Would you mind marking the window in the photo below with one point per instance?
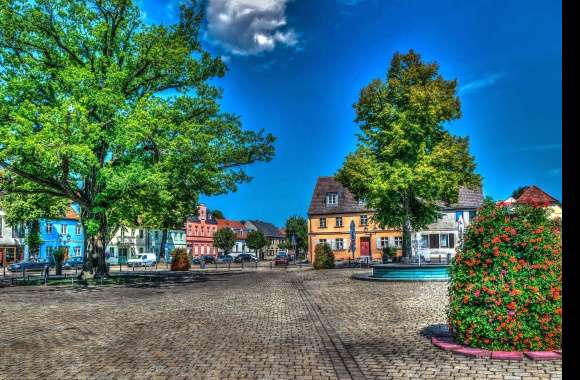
(140, 234)
(434, 241)
(398, 241)
(331, 199)
(322, 222)
(156, 234)
(424, 241)
(444, 241)
(339, 244)
(458, 214)
(322, 241)
(141, 250)
(361, 203)
(63, 229)
(339, 221)
(78, 229)
(77, 251)
(383, 242)
(112, 251)
(472, 215)
(364, 220)
(49, 228)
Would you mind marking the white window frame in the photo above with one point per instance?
(322, 241)
(398, 241)
(49, 228)
(63, 229)
(336, 221)
(366, 220)
(322, 222)
(331, 199)
(446, 235)
(339, 243)
(384, 241)
(77, 251)
(78, 229)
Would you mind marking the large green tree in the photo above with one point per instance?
(224, 239)
(117, 115)
(297, 226)
(256, 241)
(406, 162)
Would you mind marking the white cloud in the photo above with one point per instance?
(246, 27)
(477, 84)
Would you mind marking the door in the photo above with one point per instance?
(365, 246)
(123, 255)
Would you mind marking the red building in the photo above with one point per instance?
(199, 232)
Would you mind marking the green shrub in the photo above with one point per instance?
(324, 258)
(388, 253)
(506, 281)
(180, 260)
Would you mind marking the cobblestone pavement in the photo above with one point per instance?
(263, 325)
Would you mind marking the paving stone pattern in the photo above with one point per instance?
(279, 324)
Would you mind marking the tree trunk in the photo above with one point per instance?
(35, 233)
(407, 231)
(162, 246)
(101, 269)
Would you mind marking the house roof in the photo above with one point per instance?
(71, 214)
(535, 195)
(222, 223)
(268, 229)
(467, 198)
(347, 202)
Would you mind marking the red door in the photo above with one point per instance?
(365, 246)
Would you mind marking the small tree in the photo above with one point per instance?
(324, 258)
(389, 253)
(297, 226)
(180, 260)
(256, 240)
(58, 257)
(217, 214)
(224, 239)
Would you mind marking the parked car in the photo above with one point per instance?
(33, 265)
(73, 263)
(225, 259)
(144, 259)
(208, 259)
(245, 258)
(281, 259)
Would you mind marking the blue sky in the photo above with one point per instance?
(296, 67)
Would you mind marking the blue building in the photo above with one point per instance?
(64, 232)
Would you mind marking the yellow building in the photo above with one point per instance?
(332, 209)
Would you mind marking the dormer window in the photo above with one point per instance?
(331, 199)
(361, 203)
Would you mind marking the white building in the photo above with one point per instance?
(11, 242)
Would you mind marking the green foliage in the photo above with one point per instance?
(506, 282)
(217, 214)
(298, 226)
(388, 253)
(256, 240)
(517, 192)
(324, 258)
(224, 239)
(406, 161)
(81, 117)
(180, 260)
(58, 257)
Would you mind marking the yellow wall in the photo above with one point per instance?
(332, 232)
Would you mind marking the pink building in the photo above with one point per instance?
(199, 232)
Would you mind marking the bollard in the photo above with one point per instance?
(242, 264)
(256, 265)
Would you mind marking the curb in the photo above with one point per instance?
(448, 344)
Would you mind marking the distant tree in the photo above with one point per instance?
(297, 226)
(517, 192)
(256, 241)
(224, 239)
(218, 214)
(406, 162)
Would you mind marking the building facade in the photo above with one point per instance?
(11, 242)
(440, 240)
(241, 235)
(535, 195)
(333, 209)
(272, 234)
(65, 232)
(199, 232)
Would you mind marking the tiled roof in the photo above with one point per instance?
(533, 194)
(347, 202)
(268, 229)
(468, 198)
(222, 223)
(71, 214)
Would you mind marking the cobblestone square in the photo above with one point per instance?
(276, 324)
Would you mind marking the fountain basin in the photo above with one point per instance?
(407, 272)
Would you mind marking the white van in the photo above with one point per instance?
(143, 259)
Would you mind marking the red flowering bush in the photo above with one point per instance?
(506, 281)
